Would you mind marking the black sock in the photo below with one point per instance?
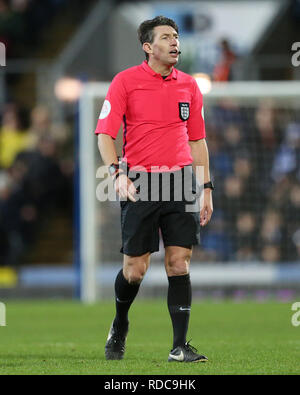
(179, 304)
(125, 295)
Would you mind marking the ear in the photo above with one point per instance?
(147, 48)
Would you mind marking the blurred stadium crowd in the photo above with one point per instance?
(35, 177)
(23, 21)
(35, 165)
(255, 161)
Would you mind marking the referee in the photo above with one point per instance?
(163, 128)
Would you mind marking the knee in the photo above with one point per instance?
(178, 265)
(134, 272)
(134, 277)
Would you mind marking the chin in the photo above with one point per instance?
(172, 62)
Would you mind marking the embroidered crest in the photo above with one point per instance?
(184, 111)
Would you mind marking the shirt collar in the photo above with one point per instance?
(148, 69)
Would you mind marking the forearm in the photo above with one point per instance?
(200, 155)
(123, 185)
(107, 149)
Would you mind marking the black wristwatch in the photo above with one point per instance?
(209, 185)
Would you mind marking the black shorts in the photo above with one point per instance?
(141, 222)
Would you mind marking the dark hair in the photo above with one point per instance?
(145, 30)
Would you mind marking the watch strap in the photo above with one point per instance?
(209, 185)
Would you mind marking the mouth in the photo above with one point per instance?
(174, 53)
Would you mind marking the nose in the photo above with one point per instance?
(174, 41)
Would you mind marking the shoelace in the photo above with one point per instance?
(189, 347)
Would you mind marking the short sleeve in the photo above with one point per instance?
(113, 109)
(195, 123)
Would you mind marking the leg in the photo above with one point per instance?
(138, 221)
(180, 230)
(127, 285)
(177, 261)
(135, 267)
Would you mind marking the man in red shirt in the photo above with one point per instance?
(163, 132)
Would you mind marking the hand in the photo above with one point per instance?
(125, 187)
(207, 208)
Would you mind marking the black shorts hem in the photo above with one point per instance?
(139, 253)
(178, 244)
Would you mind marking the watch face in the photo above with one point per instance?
(112, 170)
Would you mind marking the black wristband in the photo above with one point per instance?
(209, 185)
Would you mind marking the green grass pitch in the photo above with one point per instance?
(68, 338)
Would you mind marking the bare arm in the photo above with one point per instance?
(200, 156)
(123, 185)
(199, 152)
(107, 149)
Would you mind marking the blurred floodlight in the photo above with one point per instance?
(204, 82)
(68, 89)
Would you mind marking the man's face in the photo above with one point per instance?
(165, 46)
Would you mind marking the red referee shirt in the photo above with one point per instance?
(159, 116)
